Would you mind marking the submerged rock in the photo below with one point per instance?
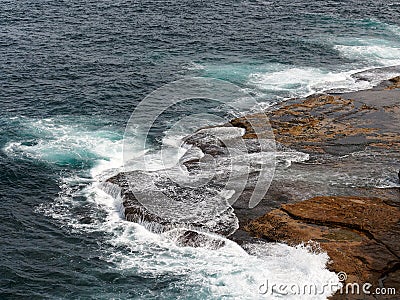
(193, 212)
(190, 238)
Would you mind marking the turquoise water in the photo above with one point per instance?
(71, 74)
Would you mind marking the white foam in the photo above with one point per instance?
(65, 141)
(376, 54)
(279, 81)
(302, 82)
(193, 66)
(394, 29)
(229, 272)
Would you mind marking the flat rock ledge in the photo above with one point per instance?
(333, 123)
(353, 134)
(360, 235)
(357, 224)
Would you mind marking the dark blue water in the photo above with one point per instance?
(71, 73)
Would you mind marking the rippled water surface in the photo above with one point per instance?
(71, 73)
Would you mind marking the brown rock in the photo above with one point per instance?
(360, 235)
(322, 122)
(394, 83)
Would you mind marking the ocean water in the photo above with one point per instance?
(71, 74)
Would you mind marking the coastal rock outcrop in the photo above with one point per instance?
(335, 124)
(222, 221)
(337, 185)
(360, 235)
(347, 196)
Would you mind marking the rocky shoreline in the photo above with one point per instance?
(357, 225)
(345, 195)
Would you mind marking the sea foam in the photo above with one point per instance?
(229, 272)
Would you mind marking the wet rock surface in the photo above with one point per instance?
(360, 234)
(222, 222)
(336, 124)
(191, 238)
(346, 196)
(336, 181)
(394, 83)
